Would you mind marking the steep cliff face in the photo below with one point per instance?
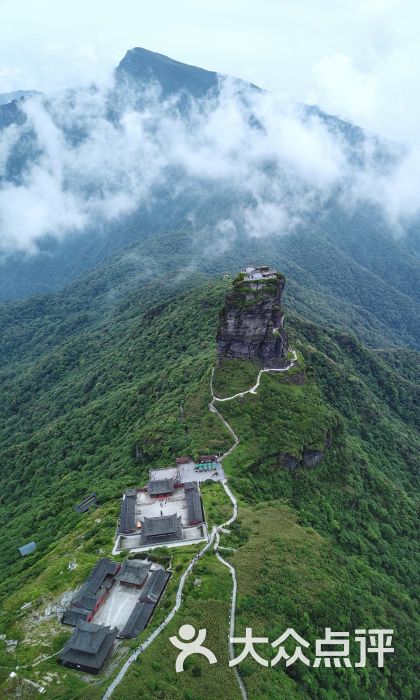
(251, 321)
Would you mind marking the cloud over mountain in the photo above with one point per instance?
(93, 155)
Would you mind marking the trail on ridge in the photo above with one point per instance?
(213, 540)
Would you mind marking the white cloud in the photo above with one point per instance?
(91, 169)
(280, 162)
(340, 87)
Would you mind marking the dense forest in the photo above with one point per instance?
(111, 377)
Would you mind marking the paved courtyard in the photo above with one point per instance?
(187, 472)
(154, 507)
(118, 606)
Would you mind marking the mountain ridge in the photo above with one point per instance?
(173, 76)
(93, 380)
(59, 262)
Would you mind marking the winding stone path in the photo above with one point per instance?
(213, 541)
(140, 649)
(213, 409)
(253, 389)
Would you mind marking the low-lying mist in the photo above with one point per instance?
(87, 157)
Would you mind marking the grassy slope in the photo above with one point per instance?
(205, 606)
(363, 569)
(74, 413)
(78, 402)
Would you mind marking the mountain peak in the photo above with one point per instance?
(142, 65)
(8, 97)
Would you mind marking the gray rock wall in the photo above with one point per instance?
(251, 322)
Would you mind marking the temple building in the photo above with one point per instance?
(155, 586)
(138, 620)
(144, 608)
(160, 530)
(128, 512)
(92, 594)
(168, 509)
(133, 573)
(194, 504)
(88, 647)
(257, 273)
(161, 488)
(208, 458)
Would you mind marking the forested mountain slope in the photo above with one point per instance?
(92, 382)
(339, 252)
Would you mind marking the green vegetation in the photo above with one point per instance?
(234, 376)
(101, 383)
(206, 605)
(217, 505)
(304, 581)
(244, 294)
(353, 517)
(73, 414)
(282, 417)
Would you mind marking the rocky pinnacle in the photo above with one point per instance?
(251, 321)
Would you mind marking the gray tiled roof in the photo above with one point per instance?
(138, 619)
(88, 647)
(73, 616)
(88, 594)
(157, 487)
(133, 572)
(87, 502)
(155, 586)
(128, 511)
(194, 504)
(161, 529)
(191, 486)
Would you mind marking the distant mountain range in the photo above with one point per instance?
(347, 263)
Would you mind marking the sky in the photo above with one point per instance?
(355, 58)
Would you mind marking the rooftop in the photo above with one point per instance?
(88, 646)
(262, 272)
(155, 586)
(128, 511)
(138, 619)
(159, 487)
(191, 486)
(88, 594)
(133, 573)
(87, 503)
(162, 525)
(75, 615)
(27, 548)
(194, 505)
